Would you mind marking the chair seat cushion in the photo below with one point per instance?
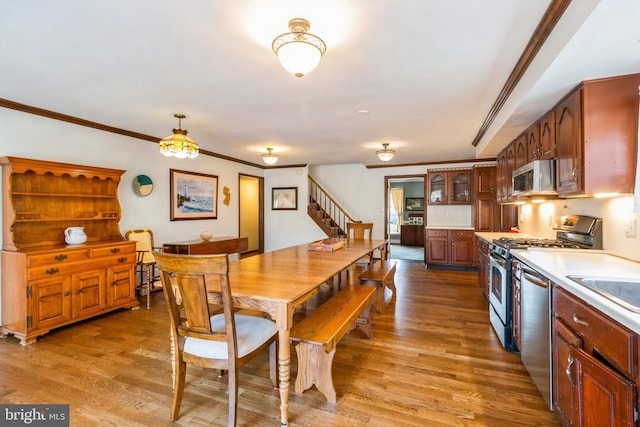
(251, 333)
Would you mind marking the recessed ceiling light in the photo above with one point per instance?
(363, 112)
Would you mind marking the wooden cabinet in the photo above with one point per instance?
(488, 215)
(412, 235)
(596, 137)
(217, 245)
(521, 151)
(505, 165)
(45, 282)
(533, 142)
(449, 187)
(595, 365)
(450, 247)
(483, 266)
(546, 149)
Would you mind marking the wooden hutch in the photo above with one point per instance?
(45, 282)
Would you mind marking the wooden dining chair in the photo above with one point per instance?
(203, 336)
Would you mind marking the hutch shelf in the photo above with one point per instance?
(45, 282)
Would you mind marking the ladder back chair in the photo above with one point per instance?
(203, 336)
(145, 261)
(361, 231)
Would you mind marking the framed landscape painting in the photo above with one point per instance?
(193, 195)
(414, 204)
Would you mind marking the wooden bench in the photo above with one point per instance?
(315, 338)
(380, 274)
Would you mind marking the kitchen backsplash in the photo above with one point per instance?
(538, 220)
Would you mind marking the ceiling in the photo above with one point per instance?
(421, 75)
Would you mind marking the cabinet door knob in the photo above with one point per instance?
(567, 370)
(115, 250)
(52, 271)
(60, 257)
(122, 259)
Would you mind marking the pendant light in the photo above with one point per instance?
(179, 144)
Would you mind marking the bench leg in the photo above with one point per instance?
(391, 284)
(364, 323)
(314, 367)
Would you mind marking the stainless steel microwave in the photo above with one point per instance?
(535, 178)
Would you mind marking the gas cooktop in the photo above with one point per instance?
(522, 242)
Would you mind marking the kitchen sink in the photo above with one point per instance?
(622, 291)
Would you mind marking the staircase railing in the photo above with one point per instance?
(326, 212)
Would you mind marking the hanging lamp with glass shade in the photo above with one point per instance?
(386, 153)
(179, 144)
(299, 52)
(270, 157)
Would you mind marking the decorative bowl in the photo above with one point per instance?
(206, 236)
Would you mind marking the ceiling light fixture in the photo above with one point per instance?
(179, 144)
(299, 52)
(270, 158)
(385, 154)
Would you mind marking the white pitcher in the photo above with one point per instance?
(75, 235)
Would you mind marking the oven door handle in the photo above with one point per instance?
(535, 279)
(499, 261)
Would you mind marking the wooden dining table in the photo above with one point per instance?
(280, 281)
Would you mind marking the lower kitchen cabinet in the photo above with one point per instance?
(483, 266)
(595, 365)
(453, 248)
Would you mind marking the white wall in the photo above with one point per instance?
(538, 220)
(30, 136)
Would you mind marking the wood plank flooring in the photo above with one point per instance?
(433, 361)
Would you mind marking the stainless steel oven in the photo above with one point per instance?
(500, 295)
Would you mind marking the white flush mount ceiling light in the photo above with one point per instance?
(270, 157)
(299, 52)
(179, 144)
(385, 154)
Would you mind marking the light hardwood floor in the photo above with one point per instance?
(433, 361)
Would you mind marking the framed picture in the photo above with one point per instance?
(193, 195)
(284, 198)
(414, 204)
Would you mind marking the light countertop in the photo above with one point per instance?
(556, 264)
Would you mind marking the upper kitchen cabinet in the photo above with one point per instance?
(505, 163)
(521, 151)
(449, 187)
(488, 214)
(596, 137)
(546, 149)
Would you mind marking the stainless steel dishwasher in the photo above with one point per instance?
(536, 328)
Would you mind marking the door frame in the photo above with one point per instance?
(260, 207)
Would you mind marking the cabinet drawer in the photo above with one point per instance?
(437, 233)
(462, 234)
(57, 257)
(600, 334)
(113, 250)
(65, 268)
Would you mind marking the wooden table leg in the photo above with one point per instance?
(351, 274)
(284, 370)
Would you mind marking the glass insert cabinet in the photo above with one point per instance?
(449, 187)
